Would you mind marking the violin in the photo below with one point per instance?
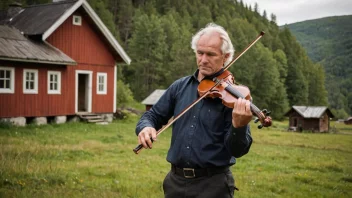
(222, 86)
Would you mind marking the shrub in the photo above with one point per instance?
(124, 94)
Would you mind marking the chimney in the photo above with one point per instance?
(14, 8)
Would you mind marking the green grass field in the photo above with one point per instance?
(87, 160)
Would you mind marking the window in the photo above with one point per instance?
(54, 82)
(30, 81)
(7, 80)
(77, 20)
(101, 83)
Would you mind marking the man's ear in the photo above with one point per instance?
(226, 57)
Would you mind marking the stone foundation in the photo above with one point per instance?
(73, 119)
(40, 120)
(108, 117)
(60, 119)
(22, 121)
(18, 121)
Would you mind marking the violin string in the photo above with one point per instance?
(238, 94)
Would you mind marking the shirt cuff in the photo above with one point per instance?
(141, 126)
(240, 132)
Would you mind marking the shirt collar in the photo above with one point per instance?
(195, 74)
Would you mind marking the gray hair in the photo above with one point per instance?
(226, 47)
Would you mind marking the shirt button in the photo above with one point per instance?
(192, 126)
(187, 147)
(194, 116)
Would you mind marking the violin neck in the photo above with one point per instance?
(238, 94)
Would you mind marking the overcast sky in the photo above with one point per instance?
(291, 11)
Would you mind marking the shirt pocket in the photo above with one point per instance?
(213, 108)
(213, 116)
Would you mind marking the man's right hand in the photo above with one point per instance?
(145, 135)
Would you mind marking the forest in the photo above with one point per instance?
(156, 34)
(328, 41)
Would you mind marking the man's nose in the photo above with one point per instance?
(204, 58)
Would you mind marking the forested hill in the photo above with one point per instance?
(157, 34)
(328, 41)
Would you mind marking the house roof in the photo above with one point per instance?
(46, 18)
(3, 16)
(17, 47)
(42, 17)
(310, 111)
(153, 97)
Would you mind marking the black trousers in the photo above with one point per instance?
(221, 185)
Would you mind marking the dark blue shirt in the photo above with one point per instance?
(204, 136)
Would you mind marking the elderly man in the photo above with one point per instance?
(209, 137)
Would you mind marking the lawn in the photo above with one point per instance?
(88, 160)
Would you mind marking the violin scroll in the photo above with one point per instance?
(265, 119)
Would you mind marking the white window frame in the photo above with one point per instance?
(30, 91)
(12, 80)
(104, 91)
(79, 20)
(58, 91)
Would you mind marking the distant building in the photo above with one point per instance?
(348, 120)
(153, 98)
(309, 118)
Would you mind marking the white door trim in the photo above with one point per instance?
(89, 89)
(115, 87)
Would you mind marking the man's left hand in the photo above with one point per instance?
(241, 113)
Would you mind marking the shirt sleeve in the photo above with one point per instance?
(160, 113)
(238, 140)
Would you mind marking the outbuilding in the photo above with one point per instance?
(309, 118)
(153, 98)
(348, 120)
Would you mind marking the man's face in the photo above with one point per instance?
(210, 58)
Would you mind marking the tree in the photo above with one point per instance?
(265, 16)
(256, 7)
(281, 62)
(147, 47)
(268, 90)
(273, 18)
(100, 7)
(317, 94)
(180, 59)
(123, 14)
(296, 84)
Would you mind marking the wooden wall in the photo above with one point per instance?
(20, 104)
(309, 124)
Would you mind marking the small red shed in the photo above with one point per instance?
(57, 59)
(309, 118)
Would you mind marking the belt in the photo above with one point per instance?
(198, 172)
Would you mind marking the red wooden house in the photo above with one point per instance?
(57, 59)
